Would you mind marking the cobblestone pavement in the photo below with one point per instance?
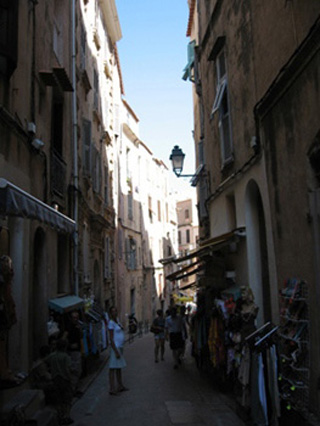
(158, 395)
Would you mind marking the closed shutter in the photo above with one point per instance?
(86, 126)
(107, 258)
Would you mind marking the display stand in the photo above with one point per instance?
(294, 346)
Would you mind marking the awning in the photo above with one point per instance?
(178, 298)
(65, 304)
(213, 244)
(16, 202)
(185, 271)
(191, 285)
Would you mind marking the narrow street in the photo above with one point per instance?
(158, 394)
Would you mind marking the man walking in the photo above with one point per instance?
(174, 330)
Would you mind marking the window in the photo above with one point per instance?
(179, 237)
(86, 140)
(96, 90)
(130, 205)
(57, 123)
(8, 36)
(131, 253)
(86, 253)
(120, 245)
(106, 185)
(159, 211)
(200, 152)
(117, 119)
(83, 44)
(96, 170)
(57, 30)
(188, 235)
(107, 263)
(221, 104)
(186, 214)
(150, 208)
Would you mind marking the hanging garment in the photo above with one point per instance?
(259, 410)
(272, 361)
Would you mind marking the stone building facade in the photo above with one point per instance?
(78, 218)
(256, 91)
(146, 224)
(35, 168)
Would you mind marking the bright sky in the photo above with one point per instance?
(153, 53)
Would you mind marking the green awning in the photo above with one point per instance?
(65, 304)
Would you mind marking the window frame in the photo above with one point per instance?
(226, 141)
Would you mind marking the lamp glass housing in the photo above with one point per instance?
(177, 159)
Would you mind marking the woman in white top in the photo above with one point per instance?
(116, 360)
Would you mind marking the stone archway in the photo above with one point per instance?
(257, 252)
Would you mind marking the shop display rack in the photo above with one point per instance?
(294, 346)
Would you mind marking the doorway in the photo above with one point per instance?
(257, 252)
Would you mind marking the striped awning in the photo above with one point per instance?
(14, 201)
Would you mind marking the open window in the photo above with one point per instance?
(221, 104)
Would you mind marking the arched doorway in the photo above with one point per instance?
(258, 265)
(39, 308)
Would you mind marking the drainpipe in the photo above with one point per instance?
(75, 154)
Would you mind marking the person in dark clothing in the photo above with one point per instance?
(60, 364)
(40, 375)
(159, 337)
(174, 333)
(133, 326)
(73, 335)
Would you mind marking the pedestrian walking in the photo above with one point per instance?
(158, 328)
(73, 334)
(60, 366)
(174, 329)
(40, 376)
(116, 360)
(133, 325)
(184, 329)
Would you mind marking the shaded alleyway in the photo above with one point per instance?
(158, 395)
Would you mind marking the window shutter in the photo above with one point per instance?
(188, 69)
(86, 146)
(120, 245)
(200, 152)
(117, 119)
(83, 42)
(128, 252)
(130, 206)
(107, 258)
(134, 252)
(106, 186)
(93, 169)
(96, 90)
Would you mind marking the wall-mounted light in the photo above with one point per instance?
(177, 159)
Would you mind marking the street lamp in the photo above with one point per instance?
(177, 158)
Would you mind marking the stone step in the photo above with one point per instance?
(45, 417)
(24, 404)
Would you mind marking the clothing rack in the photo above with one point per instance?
(270, 333)
(257, 331)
